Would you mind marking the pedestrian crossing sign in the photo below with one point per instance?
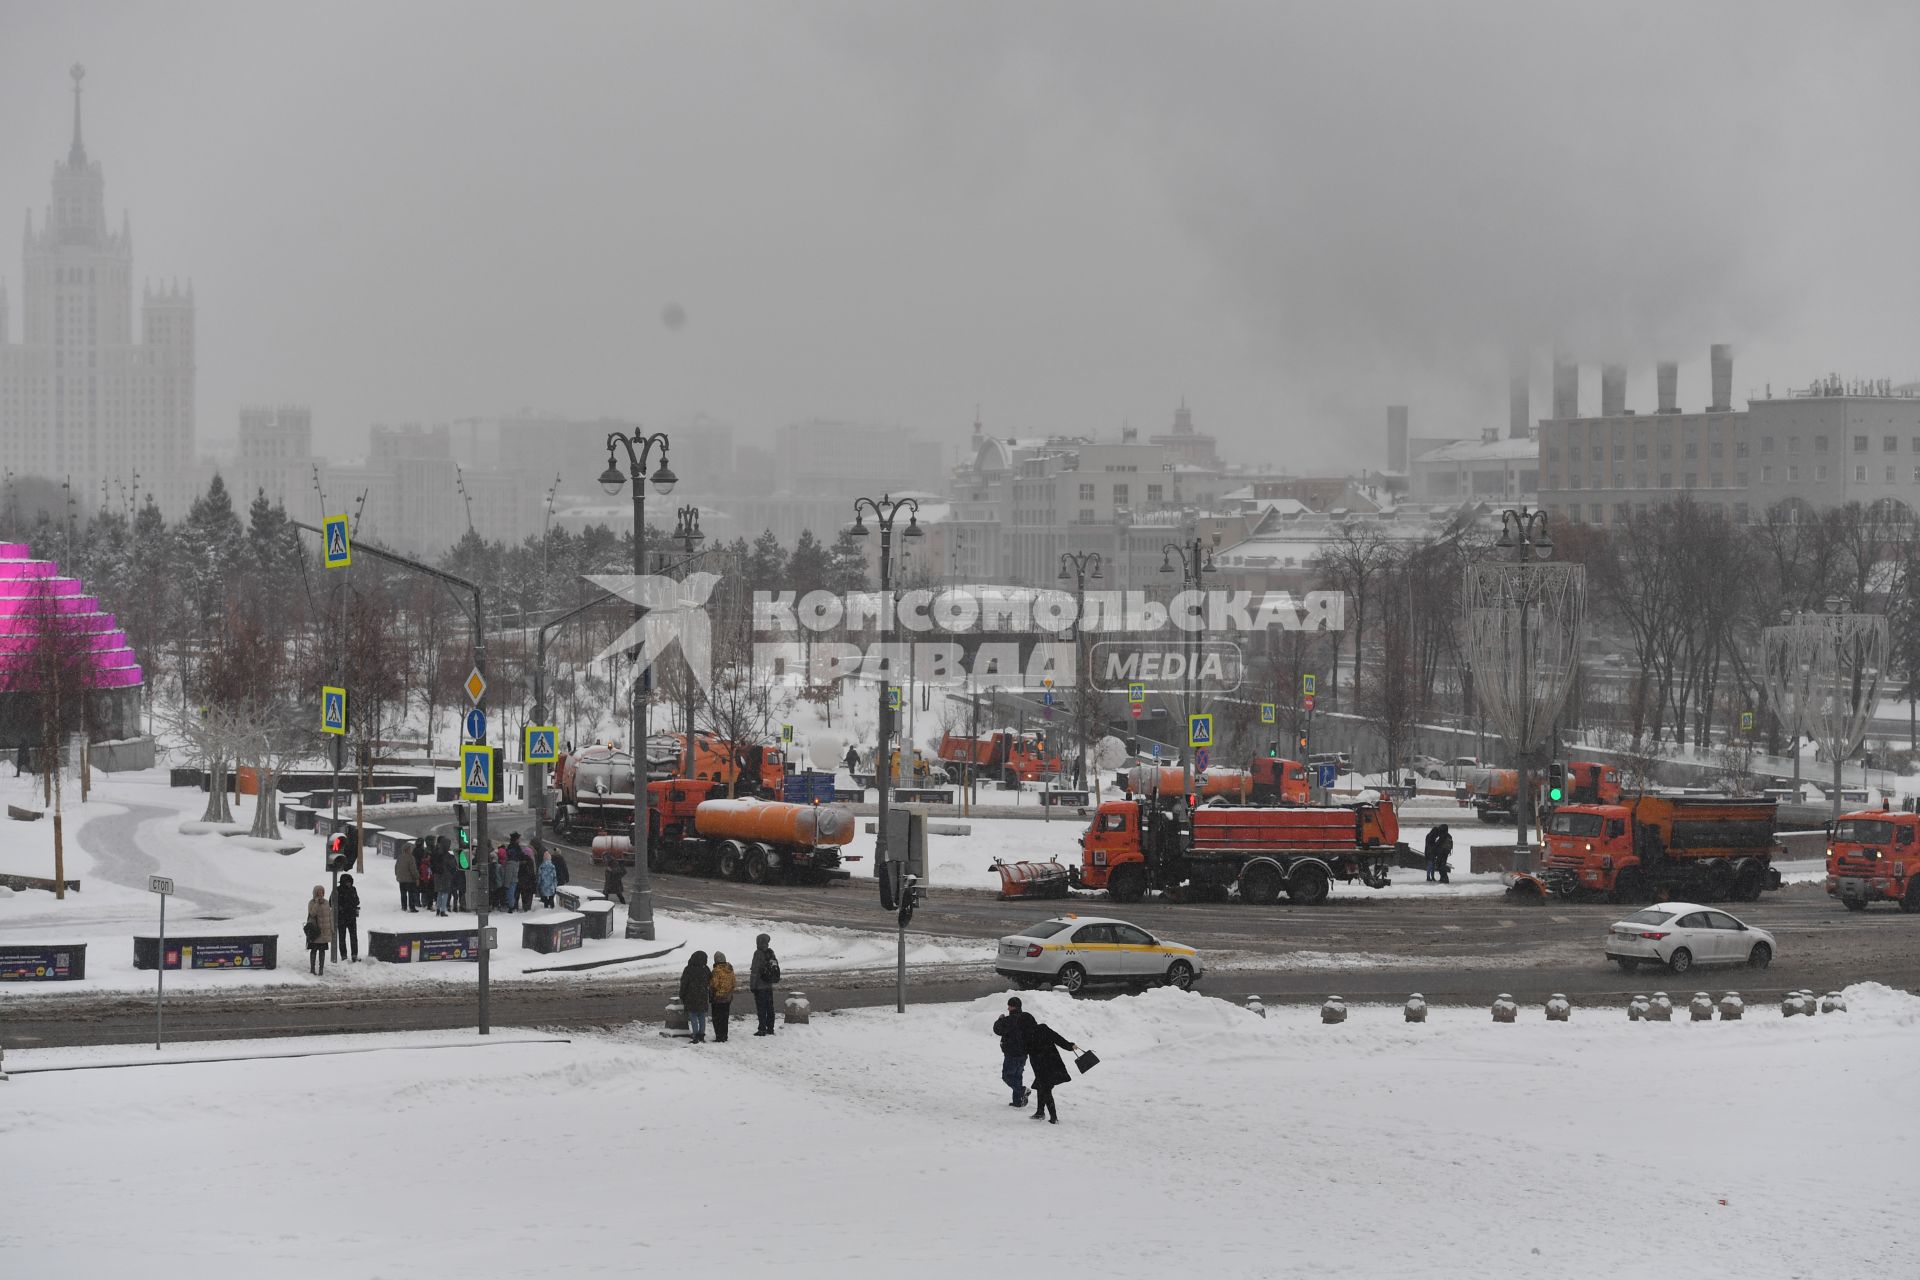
(786, 733)
(893, 697)
(1136, 692)
(333, 710)
(1307, 683)
(339, 542)
(476, 773)
(541, 744)
(1200, 729)
(1266, 713)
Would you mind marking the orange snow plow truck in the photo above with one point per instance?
(1654, 847)
(1135, 845)
(1875, 857)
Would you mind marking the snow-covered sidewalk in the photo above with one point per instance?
(1208, 1142)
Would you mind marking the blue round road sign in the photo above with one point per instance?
(476, 725)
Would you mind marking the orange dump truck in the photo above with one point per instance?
(1650, 847)
(1875, 857)
(691, 826)
(1135, 845)
(1004, 756)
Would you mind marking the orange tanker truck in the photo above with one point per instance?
(1267, 782)
(1874, 856)
(1138, 844)
(1654, 847)
(692, 827)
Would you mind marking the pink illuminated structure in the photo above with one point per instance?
(25, 584)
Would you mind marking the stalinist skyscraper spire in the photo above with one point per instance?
(81, 400)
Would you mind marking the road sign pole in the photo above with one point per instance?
(160, 974)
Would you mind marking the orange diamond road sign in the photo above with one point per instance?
(475, 686)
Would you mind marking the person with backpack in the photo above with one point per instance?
(721, 987)
(319, 931)
(1015, 1028)
(763, 976)
(346, 917)
(696, 994)
(407, 872)
(1049, 1071)
(1443, 849)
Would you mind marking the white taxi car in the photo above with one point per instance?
(1681, 935)
(1075, 951)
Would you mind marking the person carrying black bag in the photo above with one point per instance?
(1049, 1071)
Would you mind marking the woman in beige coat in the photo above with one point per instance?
(319, 929)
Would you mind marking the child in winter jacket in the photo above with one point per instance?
(721, 985)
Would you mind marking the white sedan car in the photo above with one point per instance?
(1075, 951)
(1681, 935)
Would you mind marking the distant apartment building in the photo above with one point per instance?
(82, 398)
(1494, 468)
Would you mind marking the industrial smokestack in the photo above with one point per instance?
(1397, 439)
(1566, 388)
(1613, 390)
(1666, 376)
(1720, 356)
(1518, 408)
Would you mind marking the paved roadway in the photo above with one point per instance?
(1455, 950)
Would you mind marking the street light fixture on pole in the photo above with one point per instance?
(1196, 559)
(639, 449)
(885, 511)
(1081, 563)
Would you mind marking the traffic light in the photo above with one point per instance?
(1273, 748)
(341, 849)
(462, 841)
(890, 875)
(1303, 746)
(1556, 783)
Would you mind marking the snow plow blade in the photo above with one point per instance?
(1031, 879)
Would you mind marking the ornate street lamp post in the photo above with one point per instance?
(1083, 564)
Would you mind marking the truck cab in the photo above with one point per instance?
(1277, 781)
(1874, 856)
(1591, 782)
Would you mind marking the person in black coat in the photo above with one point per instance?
(1433, 850)
(1014, 1028)
(457, 898)
(526, 875)
(1049, 1071)
(346, 917)
(1442, 851)
(445, 874)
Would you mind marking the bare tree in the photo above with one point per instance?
(1393, 702)
(1353, 562)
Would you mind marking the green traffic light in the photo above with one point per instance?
(1554, 795)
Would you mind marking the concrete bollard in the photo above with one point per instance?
(1558, 1008)
(799, 1012)
(677, 1015)
(1504, 1009)
(1254, 1006)
(1334, 1010)
(1731, 1007)
(1701, 1007)
(1809, 1005)
(1637, 1008)
(1832, 1002)
(1416, 1010)
(1791, 1005)
(1660, 1009)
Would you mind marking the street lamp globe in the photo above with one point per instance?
(1097, 575)
(611, 480)
(859, 529)
(664, 479)
(913, 527)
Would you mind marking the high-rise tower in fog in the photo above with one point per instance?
(82, 398)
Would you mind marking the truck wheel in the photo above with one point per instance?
(1260, 886)
(730, 861)
(1127, 884)
(1681, 960)
(1856, 904)
(1747, 883)
(1073, 978)
(1720, 882)
(1628, 886)
(1483, 816)
(1760, 957)
(757, 870)
(1308, 886)
(1180, 974)
(1911, 903)
(1627, 963)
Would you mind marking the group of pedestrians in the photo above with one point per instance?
(431, 878)
(707, 991)
(1439, 849)
(1025, 1039)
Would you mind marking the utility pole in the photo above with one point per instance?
(1080, 562)
(885, 511)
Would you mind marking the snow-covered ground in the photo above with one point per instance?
(1208, 1142)
(132, 828)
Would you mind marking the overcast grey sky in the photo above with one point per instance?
(1070, 213)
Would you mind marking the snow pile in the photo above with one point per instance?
(1209, 1141)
